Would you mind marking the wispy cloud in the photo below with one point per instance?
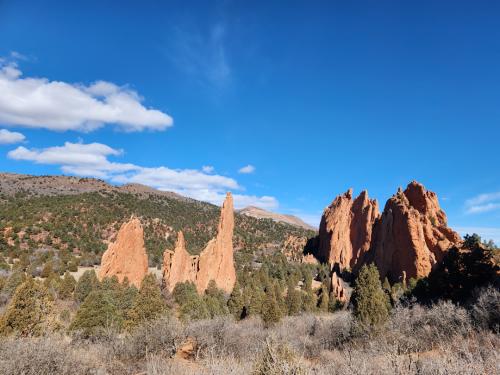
(93, 160)
(247, 169)
(483, 203)
(55, 105)
(7, 137)
(201, 55)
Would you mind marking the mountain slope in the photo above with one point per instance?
(260, 213)
(77, 218)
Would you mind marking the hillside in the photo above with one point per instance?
(260, 213)
(78, 217)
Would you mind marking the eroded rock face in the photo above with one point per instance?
(215, 262)
(345, 230)
(412, 234)
(178, 266)
(126, 257)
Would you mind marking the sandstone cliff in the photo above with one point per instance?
(412, 234)
(126, 257)
(215, 262)
(346, 229)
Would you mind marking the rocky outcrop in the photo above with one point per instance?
(346, 229)
(126, 257)
(178, 265)
(412, 235)
(215, 262)
(337, 289)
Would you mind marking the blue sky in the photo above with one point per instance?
(287, 106)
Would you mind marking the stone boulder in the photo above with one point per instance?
(126, 257)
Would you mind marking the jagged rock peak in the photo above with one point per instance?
(178, 265)
(345, 230)
(126, 257)
(412, 235)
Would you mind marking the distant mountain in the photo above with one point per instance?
(260, 213)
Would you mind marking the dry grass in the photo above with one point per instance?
(443, 339)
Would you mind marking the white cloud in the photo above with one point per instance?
(247, 169)
(8, 137)
(92, 160)
(483, 203)
(55, 105)
(208, 169)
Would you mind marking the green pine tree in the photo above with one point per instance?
(293, 299)
(87, 283)
(66, 286)
(98, 312)
(324, 299)
(148, 304)
(271, 312)
(236, 302)
(371, 304)
(29, 311)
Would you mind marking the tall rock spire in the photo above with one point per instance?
(126, 257)
(215, 262)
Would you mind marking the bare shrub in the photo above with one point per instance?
(313, 333)
(43, 356)
(486, 310)
(222, 336)
(420, 328)
(278, 359)
(158, 336)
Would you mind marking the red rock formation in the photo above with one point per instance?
(178, 265)
(346, 229)
(337, 289)
(215, 262)
(126, 257)
(412, 235)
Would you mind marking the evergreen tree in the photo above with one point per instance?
(191, 306)
(293, 299)
(148, 304)
(97, 312)
(86, 284)
(66, 286)
(236, 302)
(29, 311)
(371, 305)
(271, 312)
(324, 299)
(215, 301)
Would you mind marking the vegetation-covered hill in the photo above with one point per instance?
(80, 216)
